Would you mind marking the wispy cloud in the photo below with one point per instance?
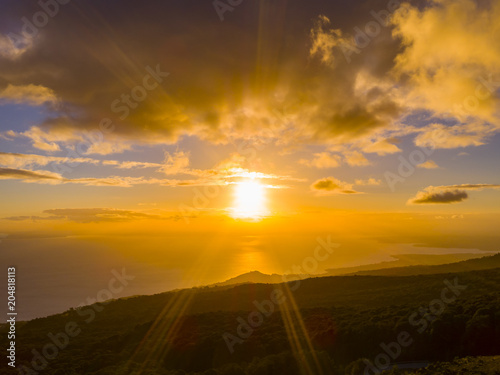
(94, 215)
(369, 182)
(429, 164)
(16, 160)
(322, 160)
(26, 175)
(221, 175)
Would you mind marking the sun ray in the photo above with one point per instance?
(298, 336)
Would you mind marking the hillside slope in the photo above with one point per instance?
(405, 265)
(483, 263)
(336, 320)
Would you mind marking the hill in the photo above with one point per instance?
(467, 365)
(483, 263)
(403, 260)
(405, 265)
(329, 323)
(257, 277)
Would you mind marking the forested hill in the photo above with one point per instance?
(404, 260)
(484, 263)
(420, 264)
(336, 320)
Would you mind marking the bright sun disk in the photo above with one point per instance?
(249, 200)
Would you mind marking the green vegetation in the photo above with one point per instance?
(459, 366)
(484, 263)
(339, 321)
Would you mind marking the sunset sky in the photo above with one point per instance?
(374, 121)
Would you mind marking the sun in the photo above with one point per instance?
(249, 200)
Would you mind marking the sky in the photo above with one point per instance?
(167, 123)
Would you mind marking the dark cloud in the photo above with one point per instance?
(21, 174)
(227, 79)
(331, 185)
(448, 193)
(440, 197)
(275, 65)
(437, 197)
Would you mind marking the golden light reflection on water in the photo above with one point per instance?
(251, 257)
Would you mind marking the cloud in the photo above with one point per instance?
(446, 62)
(175, 163)
(292, 99)
(440, 136)
(41, 176)
(472, 186)
(356, 159)
(59, 132)
(382, 147)
(224, 173)
(369, 182)
(26, 175)
(325, 39)
(449, 46)
(16, 160)
(322, 160)
(93, 215)
(44, 140)
(33, 218)
(108, 147)
(131, 164)
(448, 193)
(452, 217)
(87, 215)
(302, 92)
(433, 196)
(325, 160)
(331, 185)
(30, 94)
(9, 50)
(429, 164)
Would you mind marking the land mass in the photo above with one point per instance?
(332, 324)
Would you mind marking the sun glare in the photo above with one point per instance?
(249, 200)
